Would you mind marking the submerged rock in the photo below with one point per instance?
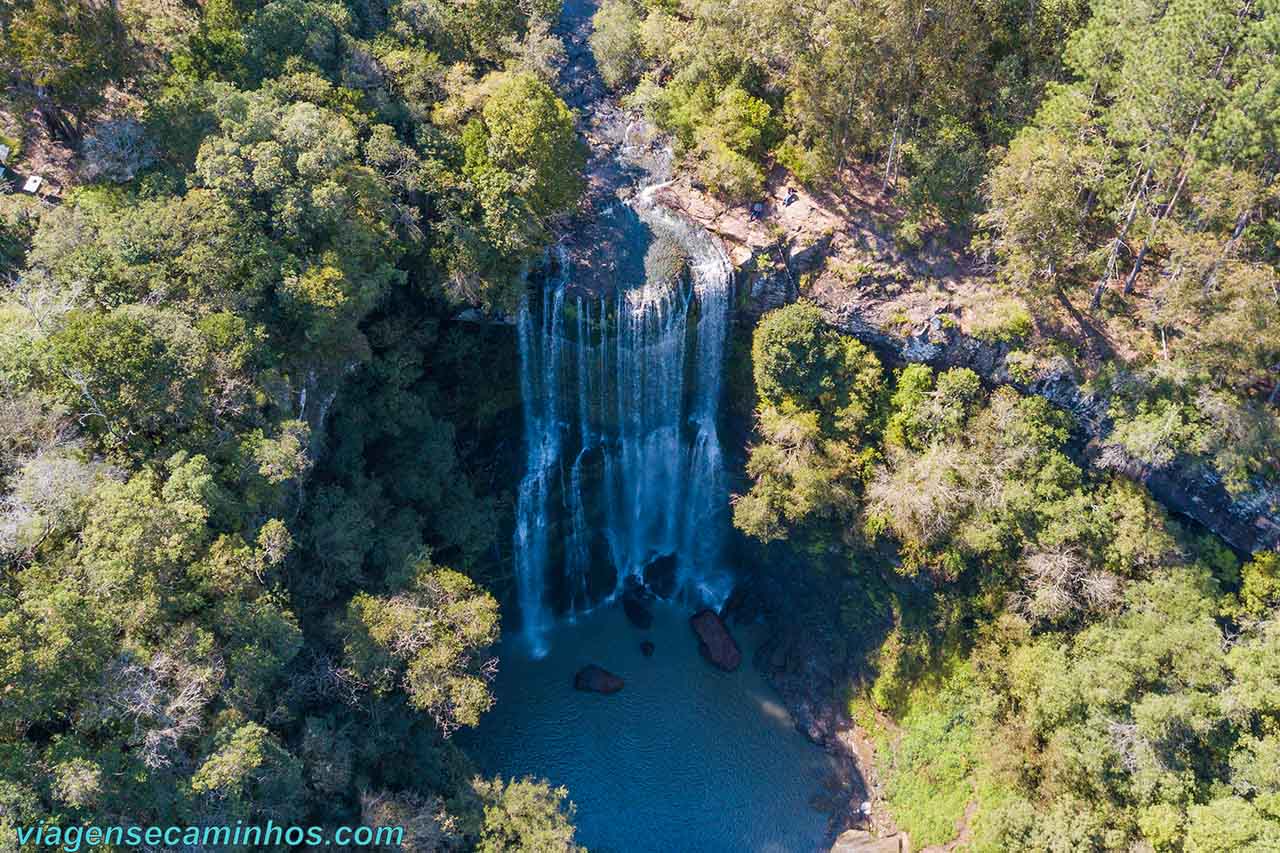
(742, 606)
(636, 602)
(594, 679)
(714, 640)
(646, 649)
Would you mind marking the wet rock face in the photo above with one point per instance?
(660, 575)
(810, 676)
(637, 604)
(714, 640)
(594, 679)
(743, 606)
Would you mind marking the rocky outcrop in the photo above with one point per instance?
(624, 151)
(1249, 522)
(861, 841)
(594, 679)
(800, 668)
(714, 640)
(811, 673)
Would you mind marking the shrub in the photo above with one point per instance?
(726, 172)
(909, 235)
(117, 150)
(615, 42)
(800, 360)
(1022, 366)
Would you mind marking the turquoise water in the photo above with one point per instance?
(684, 758)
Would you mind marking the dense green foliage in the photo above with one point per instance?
(253, 462)
(1113, 163)
(62, 56)
(817, 393)
(1057, 651)
(1114, 149)
(926, 88)
(238, 433)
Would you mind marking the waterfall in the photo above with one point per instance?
(622, 456)
(543, 427)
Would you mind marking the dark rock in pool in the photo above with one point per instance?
(660, 575)
(714, 640)
(594, 679)
(646, 649)
(635, 603)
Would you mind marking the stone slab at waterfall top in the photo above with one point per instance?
(860, 841)
(714, 640)
(595, 679)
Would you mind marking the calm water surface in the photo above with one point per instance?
(685, 758)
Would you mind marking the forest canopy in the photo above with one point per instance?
(1087, 672)
(216, 604)
(258, 400)
(1114, 158)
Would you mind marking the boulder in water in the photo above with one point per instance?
(635, 603)
(660, 575)
(594, 679)
(646, 649)
(714, 640)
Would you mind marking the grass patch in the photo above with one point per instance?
(15, 147)
(1001, 320)
(930, 782)
(899, 319)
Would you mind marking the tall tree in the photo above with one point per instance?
(62, 56)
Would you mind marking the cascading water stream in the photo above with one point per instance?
(707, 493)
(623, 462)
(539, 368)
